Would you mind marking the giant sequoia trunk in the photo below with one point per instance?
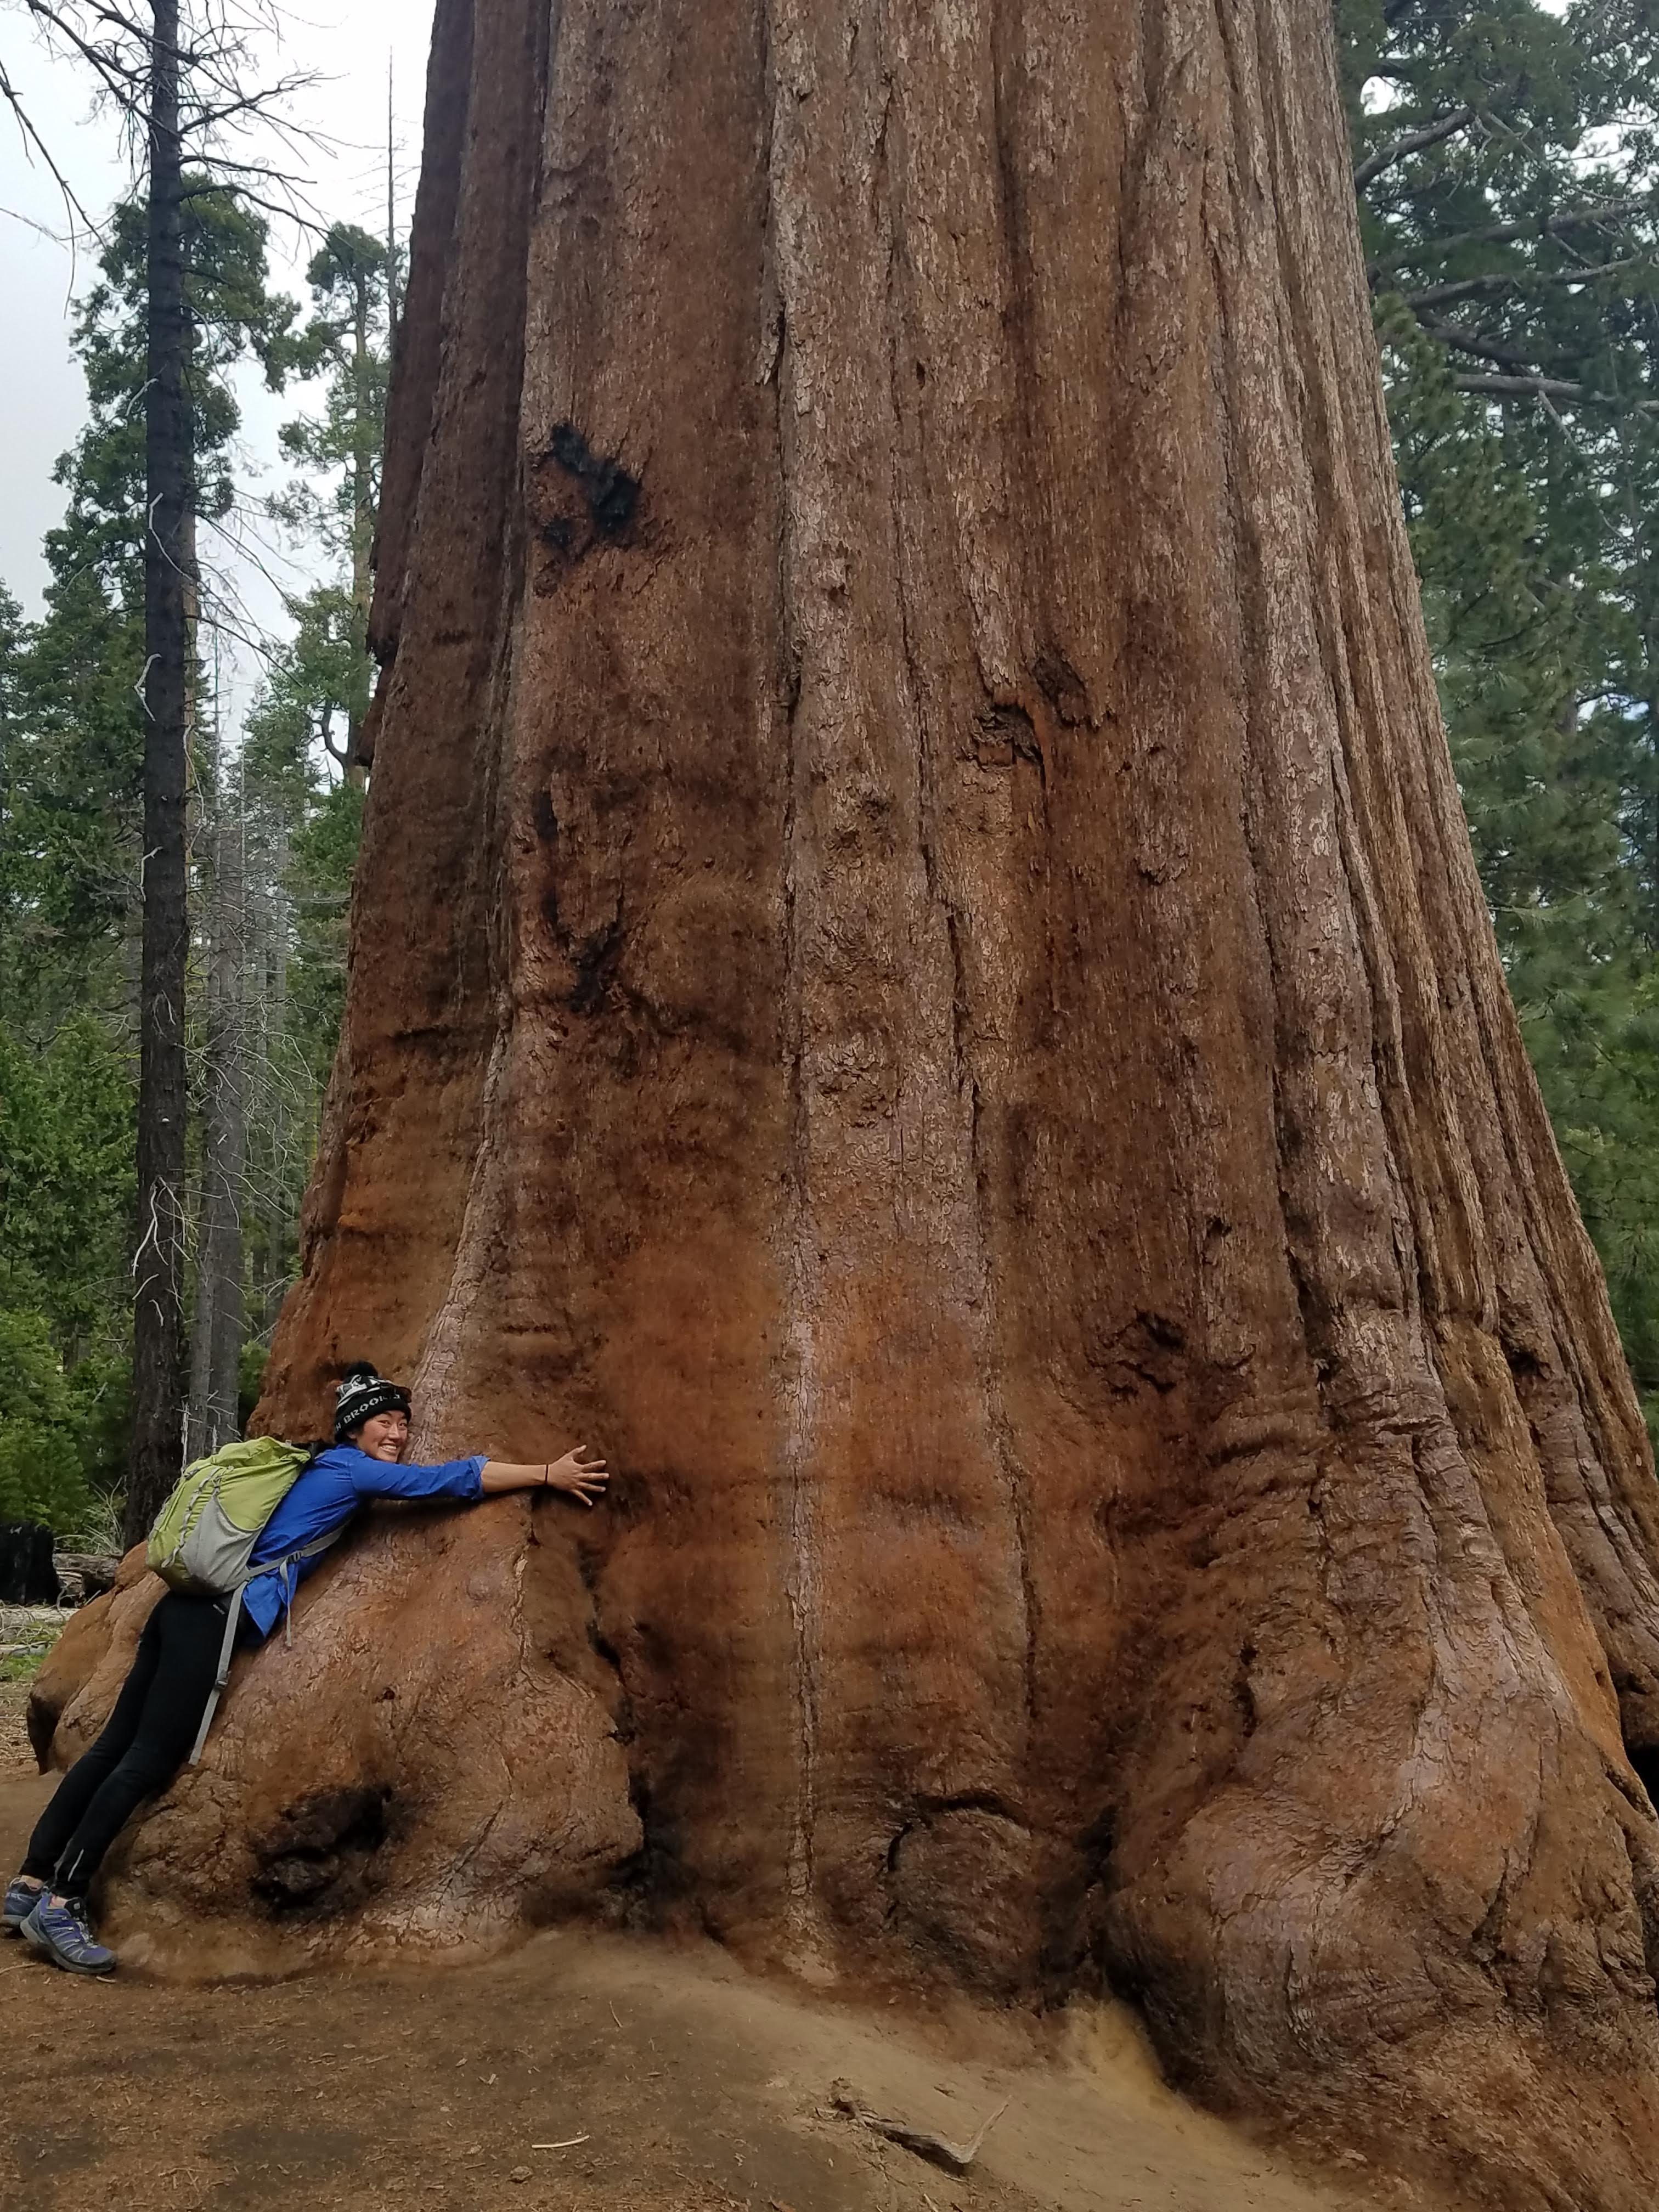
(919, 980)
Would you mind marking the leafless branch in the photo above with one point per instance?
(14, 215)
(1414, 141)
(31, 137)
(1548, 388)
(1483, 348)
(216, 99)
(248, 103)
(1501, 234)
(122, 79)
(1467, 287)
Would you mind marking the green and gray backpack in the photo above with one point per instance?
(204, 1535)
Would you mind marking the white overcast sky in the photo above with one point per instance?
(347, 44)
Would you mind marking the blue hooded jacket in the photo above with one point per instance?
(325, 1498)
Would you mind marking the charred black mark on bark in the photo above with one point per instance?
(610, 493)
(577, 498)
(1073, 1940)
(1146, 1350)
(318, 1858)
(593, 958)
(1097, 1843)
(657, 1874)
(545, 820)
(595, 962)
(1243, 1695)
(1004, 734)
(1525, 1364)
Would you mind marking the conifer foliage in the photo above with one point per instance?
(267, 837)
(1507, 161)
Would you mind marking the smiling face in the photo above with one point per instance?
(383, 1436)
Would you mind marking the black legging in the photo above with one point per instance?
(146, 1740)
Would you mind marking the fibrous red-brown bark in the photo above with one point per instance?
(919, 980)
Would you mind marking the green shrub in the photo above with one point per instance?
(42, 1477)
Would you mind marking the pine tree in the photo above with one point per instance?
(303, 827)
(348, 338)
(65, 1116)
(73, 730)
(1508, 177)
(300, 827)
(175, 72)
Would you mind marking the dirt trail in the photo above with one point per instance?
(585, 2073)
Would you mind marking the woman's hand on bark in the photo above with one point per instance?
(580, 1474)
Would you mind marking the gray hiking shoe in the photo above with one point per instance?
(60, 1932)
(22, 1899)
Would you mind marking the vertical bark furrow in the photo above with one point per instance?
(950, 564)
(803, 1382)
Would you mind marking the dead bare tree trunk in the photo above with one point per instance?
(158, 1325)
(919, 980)
(272, 1081)
(217, 1323)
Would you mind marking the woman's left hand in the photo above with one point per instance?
(579, 1474)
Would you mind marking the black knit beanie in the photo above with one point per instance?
(361, 1395)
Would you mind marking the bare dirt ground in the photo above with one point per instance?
(15, 1760)
(584, 2074)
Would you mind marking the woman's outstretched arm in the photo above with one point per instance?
(579, 1474)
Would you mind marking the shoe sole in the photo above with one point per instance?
(48, 1951)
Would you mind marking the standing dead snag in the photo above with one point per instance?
(169, 585)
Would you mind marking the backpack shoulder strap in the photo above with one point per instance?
(226, 1649)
